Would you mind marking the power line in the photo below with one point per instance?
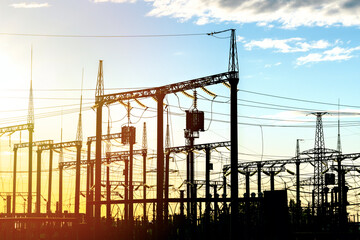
(103, 36)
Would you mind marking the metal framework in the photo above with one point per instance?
(197, 147)
(168, 89)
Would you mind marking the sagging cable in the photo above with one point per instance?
(207, 91)
(140, 103)
(188, 95)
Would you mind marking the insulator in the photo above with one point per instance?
(195, 99)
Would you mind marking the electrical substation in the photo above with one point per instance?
(117, 194)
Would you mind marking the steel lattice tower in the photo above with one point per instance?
(79, 133)
(100, 83)
(233, 57)
(319, 164)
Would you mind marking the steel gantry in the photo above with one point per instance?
(159, 93)
(38, 173)
(90, 170)
(30, 127)
(190, 182)
(78, 145)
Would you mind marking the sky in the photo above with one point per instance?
(295, 58)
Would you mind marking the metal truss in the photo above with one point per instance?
(105, 137)
(21, 127)
(37, 143)
(171, 88)
(197, 147)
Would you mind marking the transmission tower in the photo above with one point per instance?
(319, 164)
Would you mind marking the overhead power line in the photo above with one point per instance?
(104, 36)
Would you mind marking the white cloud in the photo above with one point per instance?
(272, 65)
(30, 5)
(287, 45)
(334, 54)
(114, 1)
(288, 13)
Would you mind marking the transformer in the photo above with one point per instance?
(125, 135)
(195, 120)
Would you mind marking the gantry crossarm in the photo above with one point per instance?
(319, 150)
(17, 128)
(272, 163)
(110, 157)
(114, 182)
(60, 145)
(307, 182)
(125, 153)
(104, 160)
(105, 137)
(171, 88)
(203, 182)
(346, 168)
(264, 168)
(197, 147)
(37, 143)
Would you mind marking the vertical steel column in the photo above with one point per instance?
(247, 183)
(259, 179)
(126, 205)
(182, 203)
(272, 181)
(192, 179)
(14, 182)
(207, 185)
(38, 181)
(30, 171)
(166, 190)
(48, 204)
(194, 202)
(188, 194)
(160, 159)
(88, 206)
(234, 155)
(340, 190)
(216, 209)
(98, 160)
(108, 193)
(131, 187)
(60, 187)
(77, 180)
(224, 193)
(144, 186)
(298, 203)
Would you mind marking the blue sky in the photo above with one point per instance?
(307, 50)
